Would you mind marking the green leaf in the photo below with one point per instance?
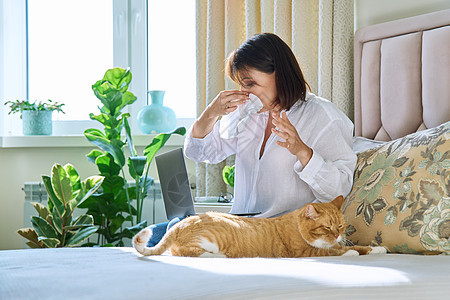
(57, 223)
(50, 205)
(97, 138)
(93, 183)
(159, 141)
(84, 220)
(137, 165)
(147, 182)
(98, 89)
(52, 196)
(61, 184)
(81, 235)
(72, 205)
(133, 230)
(131, 169)
(113, 185)
(115, 223)
(105, 119)
(92, 156)
(109, 95)
(228, 175)
(31, 235)
(118, 77)
(129, 138)
(49, 220)
(74, 179)
(41, 209)
(81, 222)
(128, 98)
(94, 202)
(107, 166)
(33, 245)
(43, 228)
(49, 242)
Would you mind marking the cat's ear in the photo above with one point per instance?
(311, 212)
(338, 202)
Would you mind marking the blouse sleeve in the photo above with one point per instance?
(329, 173)
(211, 149)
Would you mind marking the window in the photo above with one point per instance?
(70, 46)
(171, 53)
(58, 48)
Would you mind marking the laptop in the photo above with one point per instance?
(175, 187)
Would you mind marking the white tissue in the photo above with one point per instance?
(233, 124)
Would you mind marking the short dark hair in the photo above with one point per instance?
(268, 53)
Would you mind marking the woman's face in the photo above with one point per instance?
(262, 85)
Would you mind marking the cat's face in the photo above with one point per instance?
(322, 225)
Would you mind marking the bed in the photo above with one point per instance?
(400, 200)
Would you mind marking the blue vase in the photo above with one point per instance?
(156, 118)
(37, 122)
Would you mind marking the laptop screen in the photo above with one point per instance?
(175, 187)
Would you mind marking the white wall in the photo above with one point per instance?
(369, 12)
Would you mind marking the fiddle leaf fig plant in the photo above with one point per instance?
(55, 224)
(118, 202)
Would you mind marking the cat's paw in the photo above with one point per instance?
(351, 253)
(378, 250)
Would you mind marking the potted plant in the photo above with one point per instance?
(55, 226)
(118, 204)
(36, 116)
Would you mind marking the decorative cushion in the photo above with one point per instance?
(400, 197)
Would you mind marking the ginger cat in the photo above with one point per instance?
(314, 230)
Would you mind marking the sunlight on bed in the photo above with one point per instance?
(344, 272)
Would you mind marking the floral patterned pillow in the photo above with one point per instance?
(400, 197)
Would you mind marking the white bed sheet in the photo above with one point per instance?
(121, 273)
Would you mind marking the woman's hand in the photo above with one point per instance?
(224, 103)
(292, 141)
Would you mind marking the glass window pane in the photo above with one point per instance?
(70, 46)
(171, 53)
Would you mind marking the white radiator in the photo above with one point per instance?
(153, 210)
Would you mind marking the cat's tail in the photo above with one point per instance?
(140, 241)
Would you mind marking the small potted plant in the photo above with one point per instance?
(36, 116)
(228, 175)
(56, 225)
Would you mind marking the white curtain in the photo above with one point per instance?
(320, 33)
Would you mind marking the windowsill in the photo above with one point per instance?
(49, 141)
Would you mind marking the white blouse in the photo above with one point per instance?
(277, 183)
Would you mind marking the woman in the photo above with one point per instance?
(297, 149)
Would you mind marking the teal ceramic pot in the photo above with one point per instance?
(37, 122)
(156, 118)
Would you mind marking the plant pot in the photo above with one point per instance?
(156, 118)
(37, 122)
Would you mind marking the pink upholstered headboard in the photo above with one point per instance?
(402, 76)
